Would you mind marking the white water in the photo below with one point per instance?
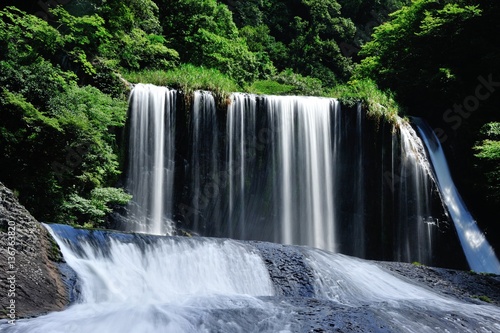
(150, 172)
(304, 167)
(288, 169)
(480, 255)
(167, 285)
(141, 284)
(416, 228)
(204, 162)
(407, 307)
(240, 128)
(359, 218)
(294, 183)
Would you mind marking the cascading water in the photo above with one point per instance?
(287, 169)
(358, 223)
(417, 229)
(151, 149)
(300, 172)
(142, 284)
(276, 146)
(479, 253)
(152, 284)
(303, 168)
(241, 135)
(406, 306)
(204, 161)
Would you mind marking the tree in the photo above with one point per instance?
(205, 35)
(56, 138)
(301, 35)
(436, 35)
(488, 162)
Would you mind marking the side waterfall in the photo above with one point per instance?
(479, 253)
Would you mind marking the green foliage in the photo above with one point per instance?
(483, 298)
(57, 138)
(109, 82)
(438, 36)
(93, 210)
(228, 55)
(488, 162)
(265, 46)
(24, 38)
(489, 149)
(302, 85)
(304, 36)
(67, 148)
(269, 87)
(187, 78)
(137, 50)
(375, 101)
(444, 22)
(28, 142)
(82, 38)
(205, 35)
(89, 117)
(432, 56)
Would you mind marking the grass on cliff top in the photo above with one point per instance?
(187, 78)
(378, 103)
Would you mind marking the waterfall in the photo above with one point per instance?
(358, 223)
(146, 284)
(204, 162)
(402, 305)
(286, 169)
(417, 229)
(150, 172)
(241, 122)
(479, 253)
(303, 169)
(280, 162)
(301, 172)
(150, 284)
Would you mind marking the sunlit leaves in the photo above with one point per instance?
(447, 20)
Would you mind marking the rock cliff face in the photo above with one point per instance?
(30, 281)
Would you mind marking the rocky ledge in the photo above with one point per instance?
(467, 286)
(30, 280)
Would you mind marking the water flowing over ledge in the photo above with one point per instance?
(286, 169)
(149, 284)
(479, 253)
(151, 164)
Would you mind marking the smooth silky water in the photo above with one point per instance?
(480, 255)
(292, 170)
(146, 284)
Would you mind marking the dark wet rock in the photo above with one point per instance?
(290, 275)
(467, 286)
(29, 258)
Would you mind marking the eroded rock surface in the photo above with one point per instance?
(30, 280)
